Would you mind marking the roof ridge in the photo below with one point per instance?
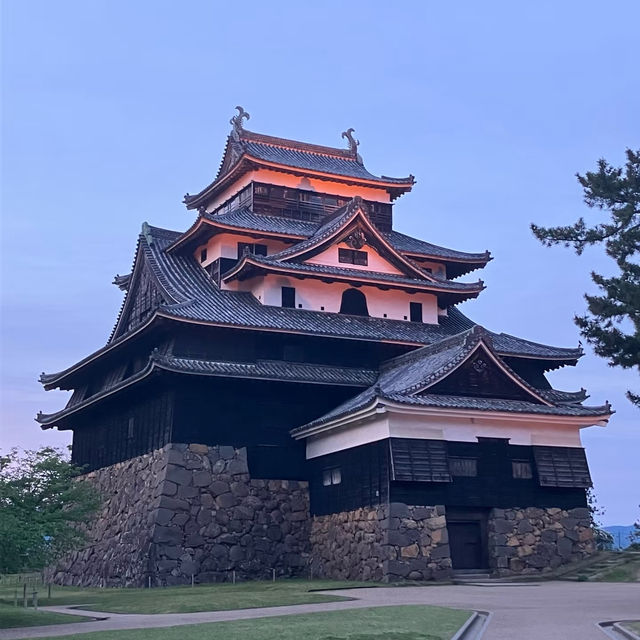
(288, 143)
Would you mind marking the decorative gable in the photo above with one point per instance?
(143, 298)
(481, 376)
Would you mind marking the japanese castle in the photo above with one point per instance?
(290, 387)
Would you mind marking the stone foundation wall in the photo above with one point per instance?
(190, 510)
(389, 543)
(524, 541)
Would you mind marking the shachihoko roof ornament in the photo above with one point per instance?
(353, 143)
(236, 122)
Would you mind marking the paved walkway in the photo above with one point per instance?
(545, 611)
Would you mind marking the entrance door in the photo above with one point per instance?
(465, 542)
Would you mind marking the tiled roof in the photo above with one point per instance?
(406, 379)
(197, 298)
(246, 149)
(407, 244)
(311, 268)
(308, 159)
(495, 404)
(263, 369)
(244, 218)
(271, 370)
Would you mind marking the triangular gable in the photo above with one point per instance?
(482, 373)
(143, 297)
(352, 226)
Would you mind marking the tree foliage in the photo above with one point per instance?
(612, 322)
(42, 508)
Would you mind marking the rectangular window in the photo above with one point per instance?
(253, 249)
(244, 247)
(289, 297)
(352, 256)
(130, 427)
(415, 311)
(522, 469)
(331, 476)
(466, 467)
(203, 255)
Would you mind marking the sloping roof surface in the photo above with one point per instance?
(312, 268)
(195, 297)
(308, 159)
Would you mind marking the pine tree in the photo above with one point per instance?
(612, 322)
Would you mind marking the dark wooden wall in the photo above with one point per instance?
(365, 470)
(132, 426)
(238, 345)
(365, 479)
(494, 485)
(251, 413)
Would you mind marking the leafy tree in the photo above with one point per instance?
(612, 322)
(42, 508)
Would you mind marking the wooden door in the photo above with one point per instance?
(465, 542)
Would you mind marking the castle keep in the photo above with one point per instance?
(290, 385)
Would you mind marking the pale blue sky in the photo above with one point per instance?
(112, 110)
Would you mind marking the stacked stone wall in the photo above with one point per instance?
(529, 541)
(388, 542)
(190, 511)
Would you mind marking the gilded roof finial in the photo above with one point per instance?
(353, 143)
(236, 121)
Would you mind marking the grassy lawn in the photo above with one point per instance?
(628, 572)
(381, 623)
(634, 626)
(186, 599)
(11, 616)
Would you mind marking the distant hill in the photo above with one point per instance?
(620, 533)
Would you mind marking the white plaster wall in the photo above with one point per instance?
(375, 261)
(225, 245)
(320, 296)
(425, 427)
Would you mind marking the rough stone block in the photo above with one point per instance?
(179, 475)
(398, 510)
(502, 526)
(202, 449)
(227, 452)
(201, 478)
(167, 535)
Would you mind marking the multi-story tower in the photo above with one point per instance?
(290, 383)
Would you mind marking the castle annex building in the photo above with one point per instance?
(290, 385)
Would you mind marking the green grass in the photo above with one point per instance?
(187, 599)
(627, 572)
(11, 616)
(380, 623)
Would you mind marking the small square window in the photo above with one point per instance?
(522, 469)
(331, 476)
(260, 249)
(203, 255)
